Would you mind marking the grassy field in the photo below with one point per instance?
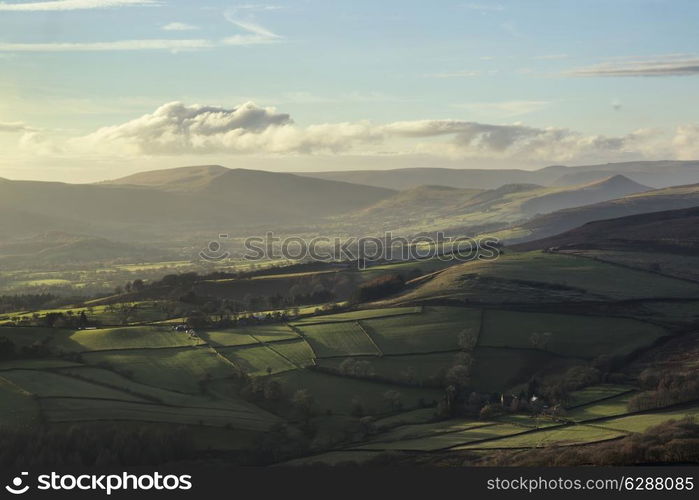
(358, 315)
(91, 410)
(136, 337)
(606, 408)
(641, 422)
(18, 408)
(496, 370)
(47, 384)
(595, 393)
(448, 439)
(537, 276)
(257, 360)
(296, 351)
(436, 329)
(249, 335)
(337, 393)
(147, 392)
(570, 335)
(560, 436)
(425, 369)
(176, 369)
(338, 339)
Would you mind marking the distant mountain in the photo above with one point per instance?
(656, 174)
(174, 204)
(174, 179)
(429, 208)
(657, 200)
(667, 231)
(275, 193)
(586, 194)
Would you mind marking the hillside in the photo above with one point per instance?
(169, 203)
(655, 174)
(668, 231)
(60, 249)
(437, 207)
(651, 201)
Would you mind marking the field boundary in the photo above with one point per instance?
(365, 329)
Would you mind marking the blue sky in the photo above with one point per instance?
(340, 84)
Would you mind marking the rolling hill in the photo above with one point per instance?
(429, 208)
(657, 200)
(655, 174)
(668, 231)
(169, 203)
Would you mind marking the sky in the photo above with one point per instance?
(99, 89)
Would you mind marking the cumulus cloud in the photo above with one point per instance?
(179, 129)
(176, 127)
(60, 5)
(665, 66)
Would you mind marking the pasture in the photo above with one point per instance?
(566, 334)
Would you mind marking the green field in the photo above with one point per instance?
(18, 408)
(436, 329)
(91, 410)
(406, 432)
(47, 384)
(595, 393)
(560, 436)
(448, 439)
(425, 369)
(606, 408)
(570, 335)
(641, 422)
(499, 369)
(337, 393)
(296, 351)
(180, 370)
(338, 339)
(537, 276)
(149, 393)
(249, 335)
(135, 337)
(358, 315)
(257, 360)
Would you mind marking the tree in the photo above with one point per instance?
(303, 402)
(393, 399)
(458, 376)
(540, 340)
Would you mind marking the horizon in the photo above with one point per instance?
(309, 86)
(388, 169)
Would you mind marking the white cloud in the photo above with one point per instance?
(254, 34)
(176, 129)
(127, 45)
(177, 26)
(59, 5)
(672, 65)
(14, 127)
